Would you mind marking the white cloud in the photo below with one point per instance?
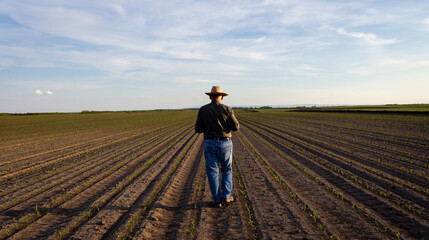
(426, 21)
(367, 37)
(41, 92)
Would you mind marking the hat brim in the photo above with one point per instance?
(215, 93)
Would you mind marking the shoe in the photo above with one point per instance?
(228, 200)
(217, 204)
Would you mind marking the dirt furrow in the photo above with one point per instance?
(336, 132)
(276, 214)
(112, 217)
(168, 216)
(64, 183)
(65, 150)
(390, 153)
(358, 125)
(349, 153)
(323, 152)
(88, 162)
(37, 166)
(397, 192)
(41, 165)
(387, 213)
(228, 222)
(338, 218)
(43, 146)
(57, 216)
(383, 148)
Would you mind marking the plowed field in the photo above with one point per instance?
(141, 175)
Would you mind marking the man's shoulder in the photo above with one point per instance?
(216, 105)
(205, 106)
(225, 107)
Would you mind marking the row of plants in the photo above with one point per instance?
(327, 146)
(247, 203)
(402, 128)
(106, 157)
(192, 229)
(346, 126)
(136, 219)
(51, 204)
(36, 165)
(371, 186)
(70, 129)
(87, 158)
(362, 144)
(46, 135)
(317, 140)
(335, 192)
(60, 151)
(298, 200)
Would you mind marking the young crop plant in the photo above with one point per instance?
(4, 231)
(37, 211)
(192, 229)
(250, 212)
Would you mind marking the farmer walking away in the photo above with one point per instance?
(216, 121)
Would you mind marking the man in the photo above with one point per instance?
(216, 121)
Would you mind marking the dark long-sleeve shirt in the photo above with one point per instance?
(216, 120)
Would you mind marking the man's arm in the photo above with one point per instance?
(233, 123)
(199, 125)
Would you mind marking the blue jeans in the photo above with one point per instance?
(215, 152)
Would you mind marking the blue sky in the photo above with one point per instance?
(73, 55)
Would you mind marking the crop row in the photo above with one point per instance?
(103, 162)
(195, 215)
(346, 155)
(330, 166)
(335, 192)
(57, 201)
(353, 127)
(358, 176)
(335, 142)
(295, 196)
(33, 135)
(363, 145)
(127, 230)
(79, 159)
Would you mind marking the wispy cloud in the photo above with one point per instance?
(367, 37)
(306, 67)
(404, 64)
(77, 45)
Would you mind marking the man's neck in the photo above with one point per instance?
(219, 99)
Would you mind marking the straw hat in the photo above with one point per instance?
(216, 90)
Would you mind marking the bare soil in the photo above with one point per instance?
(307, 179)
